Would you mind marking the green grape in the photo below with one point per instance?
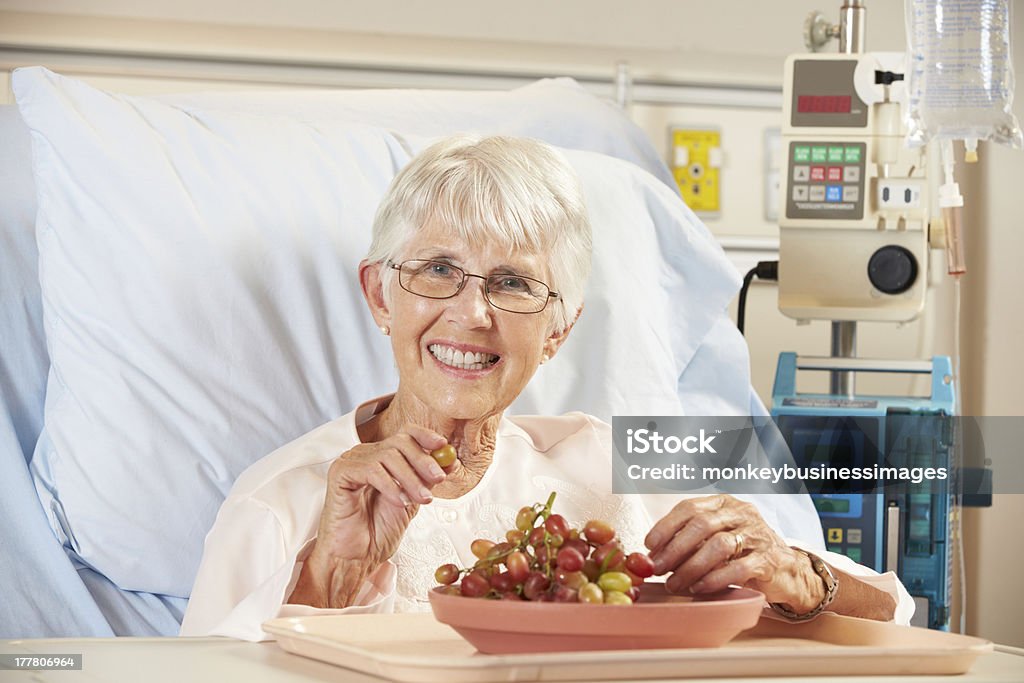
(480, 547)
(445, 456)
(616, 598)
(591, 593)
(614, 581)
(446, 574)
(515, 537)
(525, 518)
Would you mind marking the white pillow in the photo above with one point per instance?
(558, 110)
(198, 272)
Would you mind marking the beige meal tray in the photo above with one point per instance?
(417, 648)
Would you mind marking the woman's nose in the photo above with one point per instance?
(470, 306)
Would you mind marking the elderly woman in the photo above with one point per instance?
(480, 253)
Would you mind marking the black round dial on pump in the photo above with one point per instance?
(892, 269)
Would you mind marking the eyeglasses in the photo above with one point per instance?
(439, 280)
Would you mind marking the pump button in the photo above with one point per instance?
(892, 269)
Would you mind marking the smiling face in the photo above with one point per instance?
(461, 358)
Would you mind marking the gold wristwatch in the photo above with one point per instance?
(831, 588)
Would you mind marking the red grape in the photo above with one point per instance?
(498, 551)
(640, 564)
(502, 582)
(598, 532)
(574, 580)
(564, 594)
(550, 562)
(556, 524)
(518, 566)
(581, 546)
(536, 585)
(474, 585)
(609, 557)
(569, 559)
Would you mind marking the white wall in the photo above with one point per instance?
(673, 48)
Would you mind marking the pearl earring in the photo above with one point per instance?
(385, 329)
(545, 358)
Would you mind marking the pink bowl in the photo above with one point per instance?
(658, 620)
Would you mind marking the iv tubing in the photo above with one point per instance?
(951, 202)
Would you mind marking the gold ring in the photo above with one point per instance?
(738, 539)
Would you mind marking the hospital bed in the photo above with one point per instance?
(178, 298)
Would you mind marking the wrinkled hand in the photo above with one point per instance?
(373, 492)
(696, 542)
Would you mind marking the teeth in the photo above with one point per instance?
(467, 360)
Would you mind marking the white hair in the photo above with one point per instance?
(517, 192)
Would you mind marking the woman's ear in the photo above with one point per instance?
(555, 341)
(373, 291)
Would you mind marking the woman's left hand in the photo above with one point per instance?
(713, 542)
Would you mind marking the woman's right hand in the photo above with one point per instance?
(373, 492)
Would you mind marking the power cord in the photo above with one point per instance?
(764, 270)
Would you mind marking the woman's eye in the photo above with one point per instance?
(513, 284)
(439, 269)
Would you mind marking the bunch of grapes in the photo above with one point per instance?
(544, 559)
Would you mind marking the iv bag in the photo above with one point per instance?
(961, 75)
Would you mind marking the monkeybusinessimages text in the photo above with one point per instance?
(646, 442)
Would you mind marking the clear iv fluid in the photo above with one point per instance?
(961, 76)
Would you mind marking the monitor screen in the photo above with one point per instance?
(823, 104)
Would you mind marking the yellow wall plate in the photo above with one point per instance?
(696, 160)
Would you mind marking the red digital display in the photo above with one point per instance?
(823, 104)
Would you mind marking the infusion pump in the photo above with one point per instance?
(854, 210)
